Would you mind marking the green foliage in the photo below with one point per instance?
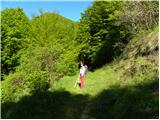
(41, 59)
(52, 29)
(112, 96)
(14, 37)
(48, 56)
(19, 84)
(13, 87)
(141, 15)
(107, 26)
(99, 32)
(38, 81)
(126, 88)
(54, 40)
(42, 55)
(140, 56)
(67, 64)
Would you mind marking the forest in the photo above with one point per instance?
(117, 40)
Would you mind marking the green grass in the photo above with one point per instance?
(106, 95)
(95, 82)
(114, 96)
(128, 88)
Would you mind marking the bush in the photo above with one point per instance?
(13, 87)
(19, 84)
(38, 81)
(67, 64)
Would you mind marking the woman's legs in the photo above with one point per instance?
(81, 81)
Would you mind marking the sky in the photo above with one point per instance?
(69, 9)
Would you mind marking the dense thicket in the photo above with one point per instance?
(50, 54)
(53, 39)
(99, 32)
(106, 27)
(14, 37)
(141, 15)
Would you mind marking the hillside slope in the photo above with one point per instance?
(140, 53)
(126, 88)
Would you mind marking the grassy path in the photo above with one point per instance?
(105, 95)
(95, 82)
(109, 96)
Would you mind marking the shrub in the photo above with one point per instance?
(38, 81)
(13, 87)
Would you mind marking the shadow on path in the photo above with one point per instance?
(59, 104)
(139, 101)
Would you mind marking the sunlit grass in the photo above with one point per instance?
(95, 82)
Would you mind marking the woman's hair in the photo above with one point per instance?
(82, 62)
(79, 66)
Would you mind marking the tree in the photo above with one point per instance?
(14, 37)
(107, 26)
(98, 32)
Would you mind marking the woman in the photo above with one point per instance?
(82, 73)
